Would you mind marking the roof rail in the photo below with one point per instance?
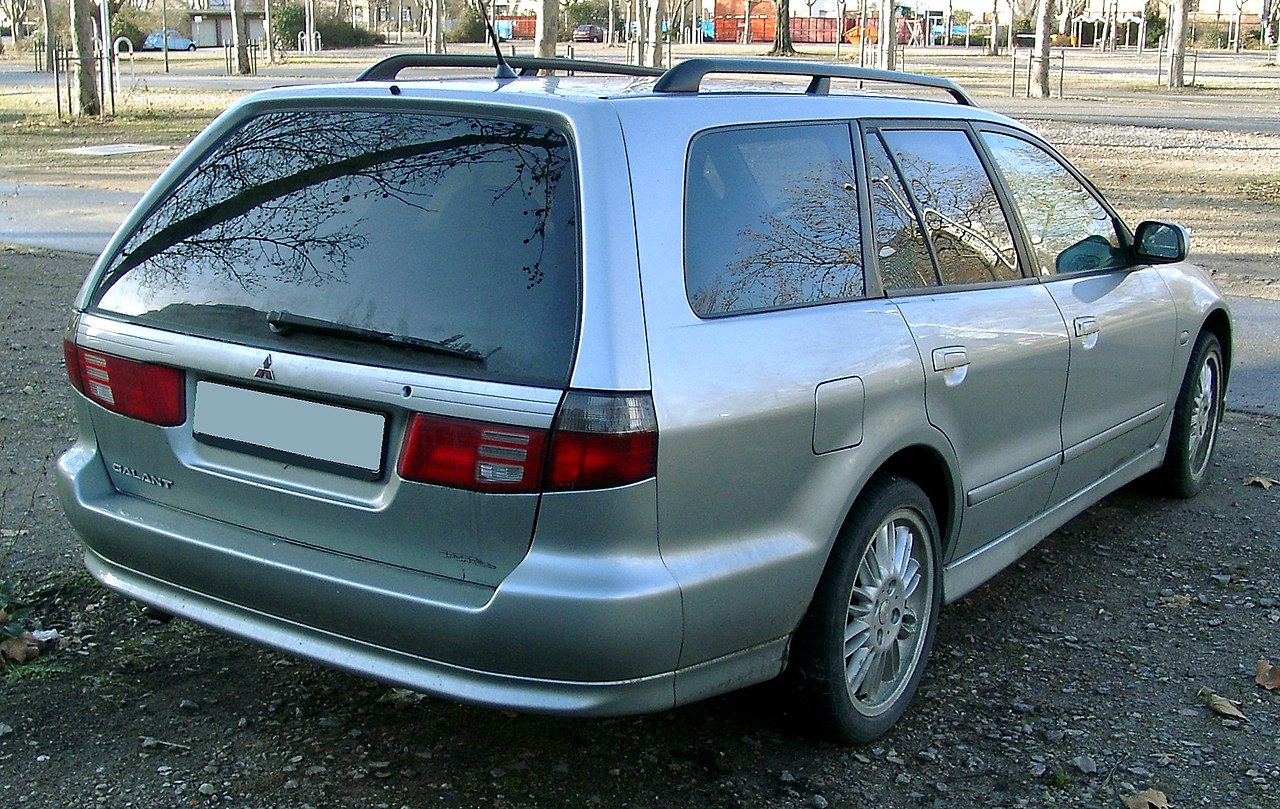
(388, 69)
(687, 76)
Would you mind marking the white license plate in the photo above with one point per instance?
(325, 435)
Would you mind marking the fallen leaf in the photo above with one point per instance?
(1268, 676)
(4, 617)
(21, 649)
(1147, 799)
(1260, 481)
(1221, 705)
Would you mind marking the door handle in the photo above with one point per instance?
(948, 357)
(1087, 330)
(1086, 326)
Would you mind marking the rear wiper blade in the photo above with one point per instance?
(284, 322)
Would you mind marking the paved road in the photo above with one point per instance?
(1255, 374)
(80, 220)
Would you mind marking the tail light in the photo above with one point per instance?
(139, 390)
(598, 441)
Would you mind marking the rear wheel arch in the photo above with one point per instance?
(928, 469)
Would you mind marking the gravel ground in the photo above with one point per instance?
(1071, 680)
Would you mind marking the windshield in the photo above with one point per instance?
(439, 228)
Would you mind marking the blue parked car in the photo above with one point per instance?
(177, 42)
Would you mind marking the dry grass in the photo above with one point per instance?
(35, 138)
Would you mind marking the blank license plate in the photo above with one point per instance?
(310, 433)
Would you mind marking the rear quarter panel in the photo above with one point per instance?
(747, 509)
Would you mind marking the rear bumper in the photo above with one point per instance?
(566, 633)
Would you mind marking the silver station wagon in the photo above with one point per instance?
(606, 390)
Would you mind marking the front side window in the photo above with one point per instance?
(364, 235)
(771, 219)
(1069, 229)
(970, 237)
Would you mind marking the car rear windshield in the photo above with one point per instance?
(427, 241)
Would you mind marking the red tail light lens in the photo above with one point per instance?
(603, 440)
(598, 441)
(473, 455)
(139, 390)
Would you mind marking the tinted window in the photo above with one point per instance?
(901, 254)
(1070, 231)
(962, 216)
(771, 219)
(453, 229)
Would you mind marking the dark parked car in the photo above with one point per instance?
(605, 394)
(588, 33)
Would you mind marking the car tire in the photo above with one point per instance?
(191, 47)
(874, 614)
(1196, 415)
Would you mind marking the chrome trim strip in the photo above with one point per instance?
(1012, 480)
(1089, 444)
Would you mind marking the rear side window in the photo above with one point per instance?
(970, 237)
(452, 230)
(771, 219)
(901, 253)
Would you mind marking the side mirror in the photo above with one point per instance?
(1161, 242)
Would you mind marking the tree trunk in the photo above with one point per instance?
(1044, 36)
(1177, 43)
(47, 7)
(995, 27)
(888, 37)
(268, 38)
(547, 31)
(88, 97)
(239, 39)
(654, 46)
(1013, 23)
(608, 35)
(782, 30)
(437, 26)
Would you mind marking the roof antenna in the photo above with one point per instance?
(504, 70)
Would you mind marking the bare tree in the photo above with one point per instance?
(1044, 37)
(1240, 25)
(82, 41)
(888, 41)
(1177, 43)
(782, 29)
(995, 27)
(653, 54)
(47, 9)
(16, 11)
(240, 38)
(547, 30)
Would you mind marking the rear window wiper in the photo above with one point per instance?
(283, 322)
